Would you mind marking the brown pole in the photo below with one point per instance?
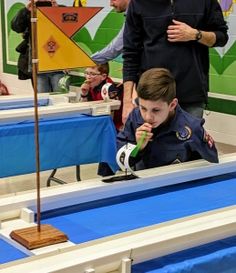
(36, 119)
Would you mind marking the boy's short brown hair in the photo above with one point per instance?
(157, 84)
(103, 68)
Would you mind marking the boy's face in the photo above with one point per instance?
(156, 112)
(94, 77)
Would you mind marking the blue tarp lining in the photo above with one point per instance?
(22, 104)
(9, 253)
(216, 257)
(120, 214)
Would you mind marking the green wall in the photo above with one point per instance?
(223, 61)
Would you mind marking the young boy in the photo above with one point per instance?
(98, 86)
(171, 134)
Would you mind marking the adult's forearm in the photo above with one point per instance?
(211, 39)
(128, 105)
(208, 38)
(105, 55)
(128, 91)
(111, 51)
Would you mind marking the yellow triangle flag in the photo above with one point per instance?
(55, 50)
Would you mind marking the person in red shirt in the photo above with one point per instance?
(99, 86)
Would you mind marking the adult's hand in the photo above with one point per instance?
(28, 6)
(180, 32)
(127, 108)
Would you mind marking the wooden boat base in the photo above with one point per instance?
(31, 238)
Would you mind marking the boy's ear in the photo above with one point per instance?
(173, 104)
(104, 76)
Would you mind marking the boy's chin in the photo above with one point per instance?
(155, 125)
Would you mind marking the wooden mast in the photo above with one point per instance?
(36, 119)
(39, 236)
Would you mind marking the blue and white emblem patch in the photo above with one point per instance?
(184, 134)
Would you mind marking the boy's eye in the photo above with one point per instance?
(92, 74)
(143, 109)
(156, 110)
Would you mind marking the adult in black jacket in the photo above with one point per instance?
(21, 24)
(47, 82)
(175, 35)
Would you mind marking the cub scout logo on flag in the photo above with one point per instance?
(55, 28)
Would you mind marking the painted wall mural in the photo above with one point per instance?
(95, 34)
(223, 60)
(105, 25)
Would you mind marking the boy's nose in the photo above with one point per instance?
(148, 117)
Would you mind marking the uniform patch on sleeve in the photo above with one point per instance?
(184, 134)
(208, 139)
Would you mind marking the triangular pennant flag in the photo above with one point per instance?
(70, 19)
(55, 50)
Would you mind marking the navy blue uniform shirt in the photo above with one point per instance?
(181, 139)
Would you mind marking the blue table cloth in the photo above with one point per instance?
(63, 142)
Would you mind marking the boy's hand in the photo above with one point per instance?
(85, 88)
(146, 127)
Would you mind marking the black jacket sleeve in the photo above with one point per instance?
(215, 22)
(133, 44)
